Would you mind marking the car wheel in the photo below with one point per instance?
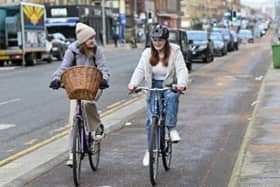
(189, 67)
(208, 58)
(2, 63)
(211, 58)
(60, 55)
(30, 59)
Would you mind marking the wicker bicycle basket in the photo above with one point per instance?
(81, 82)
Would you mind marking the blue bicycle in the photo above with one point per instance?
(159, 143)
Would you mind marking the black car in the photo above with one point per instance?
(202, 45)
(228, 36)
(59, 45)
(220, 44)
(179, 37)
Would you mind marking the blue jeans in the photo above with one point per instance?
(172, 103)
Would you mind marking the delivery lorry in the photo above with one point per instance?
(23, 34)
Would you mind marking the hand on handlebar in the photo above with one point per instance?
(131, 87)
(104, 84)
(181, 88)
(55, 84)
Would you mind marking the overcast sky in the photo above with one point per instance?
(256, 3)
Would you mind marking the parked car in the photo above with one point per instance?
(228, 36)
(220, 44)
(246, 36)
(202, 45)
(59, 44)
(179, 37)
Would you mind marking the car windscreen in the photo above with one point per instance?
(172, 37)
(197, 36)
(245, 33)
(216, 37)
(225, 32)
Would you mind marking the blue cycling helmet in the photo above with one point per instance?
(160, 31)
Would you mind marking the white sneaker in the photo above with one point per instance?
(146, 159)
(174, 135)
(99, 133)
(69, 162)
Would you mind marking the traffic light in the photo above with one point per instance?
(234, 17)
(215, 24)
(149, 17)
(234, 14)
(113, 28)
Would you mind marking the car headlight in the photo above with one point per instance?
(219, 45)
(201, 47)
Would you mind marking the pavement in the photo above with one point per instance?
(258, 163)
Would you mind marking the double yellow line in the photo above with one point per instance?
(65, 131)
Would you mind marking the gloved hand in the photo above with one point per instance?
(103, 84)
(55, 84)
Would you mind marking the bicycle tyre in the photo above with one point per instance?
(154, 151)
(94, 153)
(76, 149)
(166, 149)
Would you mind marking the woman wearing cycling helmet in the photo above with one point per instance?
(160, 66)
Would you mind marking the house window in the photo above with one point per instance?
(171, 5)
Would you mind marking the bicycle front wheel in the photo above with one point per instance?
(166, 148)
(77, 153)
(94, 153)
(154, 151)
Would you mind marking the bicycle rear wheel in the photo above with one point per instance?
(154, 151)
(77, 152)
(94, 153)
(166, 149)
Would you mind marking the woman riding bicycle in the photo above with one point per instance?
(84, 52)
(160, 66)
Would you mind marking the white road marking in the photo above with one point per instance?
(128, 123)
(6, 126)
(255, 102)
(259, 78)
(7, 68)
(9, 101)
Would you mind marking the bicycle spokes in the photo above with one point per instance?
(94, 154)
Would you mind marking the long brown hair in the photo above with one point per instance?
(86, 51)
(154, 59)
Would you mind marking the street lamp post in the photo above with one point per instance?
(134, 18)
(103, 22)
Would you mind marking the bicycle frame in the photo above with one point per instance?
(158, 144)
(83, 144)
(159, 111)
(80, 118)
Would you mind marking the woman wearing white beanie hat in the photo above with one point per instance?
(84, 51)
(84, 32)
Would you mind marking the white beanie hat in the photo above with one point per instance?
(84, 32)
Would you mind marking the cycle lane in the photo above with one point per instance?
(212, 121)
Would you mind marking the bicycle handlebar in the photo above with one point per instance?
(139, 89)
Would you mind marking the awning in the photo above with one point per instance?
(171, 15)
(71, 22)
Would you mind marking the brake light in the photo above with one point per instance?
(16, 57)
